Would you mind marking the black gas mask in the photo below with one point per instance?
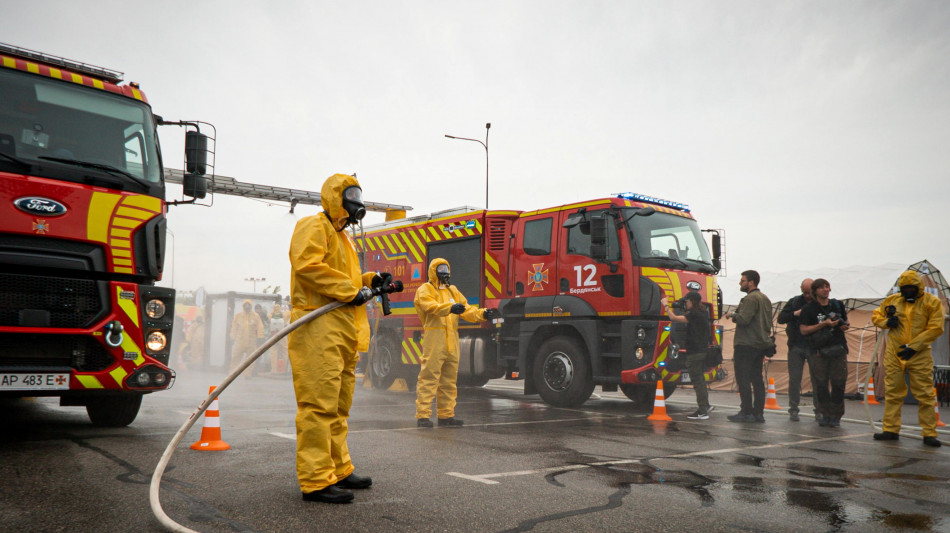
(353, 204)
(910, 293)
(442, 274)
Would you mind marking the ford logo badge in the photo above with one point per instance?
(40, 206)
(694, 286)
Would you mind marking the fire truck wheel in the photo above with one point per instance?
(562, 372)
(114, 411)
(382, 365)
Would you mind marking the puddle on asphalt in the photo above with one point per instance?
(819, 490)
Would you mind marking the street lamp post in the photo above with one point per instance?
(485, 145)
(254, 281)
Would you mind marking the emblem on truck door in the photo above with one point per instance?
(40, 206)
(694, 286)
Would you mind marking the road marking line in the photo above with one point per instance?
(488, 479)
(289, 436)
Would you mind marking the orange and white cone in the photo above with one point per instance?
(771, 402)
(871, 396)
(937, 409)
(659, 405)
(211, 431)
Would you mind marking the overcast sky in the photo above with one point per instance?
(814, 133)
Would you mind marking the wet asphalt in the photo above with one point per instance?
(517, 465)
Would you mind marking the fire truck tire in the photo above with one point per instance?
(561, 372)
(645, 395)
(114, 411)
(383, 365)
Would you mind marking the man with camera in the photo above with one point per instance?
(798, 350)
(753, 343)
(823, 322)
(913, 319)
(697, 344)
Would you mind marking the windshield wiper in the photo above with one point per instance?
(100, 166)
(16, 159)
(711, 267)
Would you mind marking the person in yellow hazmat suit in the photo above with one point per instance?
(323, 353)
(439, 306)
(247, 330)
(914, 319)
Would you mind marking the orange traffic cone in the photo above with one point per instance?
(659, 405)
(771, 402)
(937, 409)
(871, 396)
(211, 431)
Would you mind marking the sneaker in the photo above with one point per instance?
(699, 415)
(451, 422)
(741, 417)
(889, 435)
(710, 409)
(932, 441)
(793, 416)
(423, 423)
(834, 422)
(758, 418)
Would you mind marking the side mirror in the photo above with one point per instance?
(598, 238)
(194, 185)
(717, 251)
(196, 154)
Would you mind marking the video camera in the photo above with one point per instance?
(679, 304)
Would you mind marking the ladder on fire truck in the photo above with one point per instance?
(229, 186)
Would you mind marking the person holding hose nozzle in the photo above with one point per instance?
(913, 319)
(439, 306)
(323, 353)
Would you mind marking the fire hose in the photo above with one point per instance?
(153, 492)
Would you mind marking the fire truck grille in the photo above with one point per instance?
(41, 301)
(30, 350)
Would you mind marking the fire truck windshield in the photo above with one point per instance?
(44, 120)
(665, 240)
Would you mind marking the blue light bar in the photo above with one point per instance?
(651, 200)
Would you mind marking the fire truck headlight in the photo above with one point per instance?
(143, 379)
(160, 379)
(156, 341)
(639, 354)
(155, 309)
(641, 334)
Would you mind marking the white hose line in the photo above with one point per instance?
(153, 491)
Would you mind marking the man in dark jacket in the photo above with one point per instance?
(798, 350)
(752, 342)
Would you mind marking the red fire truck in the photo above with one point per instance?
(578, 288)
(82, 236)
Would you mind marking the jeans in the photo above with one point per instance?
(829, 372)
(797, 357)
(696, 364)
(748, 367)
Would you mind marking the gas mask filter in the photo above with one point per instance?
(442, 273)
(353, 204)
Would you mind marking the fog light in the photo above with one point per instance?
(641, 334)
(155, 309)
(639, 353)
(142, 379)
(156, 341)
(159, 379)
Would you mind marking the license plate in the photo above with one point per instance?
(34, 381)
(684, 377)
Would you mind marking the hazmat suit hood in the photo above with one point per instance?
(910, 277)
(433, 277)
(247, 302)
(331, 197)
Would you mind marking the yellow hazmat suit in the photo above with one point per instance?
(440, 343)
(921, 322)
(246, 332)
(323, 352)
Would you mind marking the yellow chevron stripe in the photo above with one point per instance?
(89, 382)
(491, 262)
(389, 244)
(118, 374)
